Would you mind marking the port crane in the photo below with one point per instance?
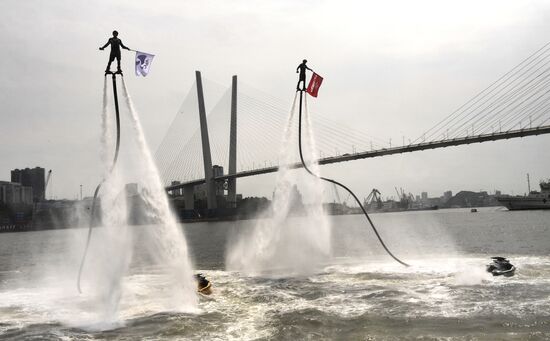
(374, 197)
(47, 182)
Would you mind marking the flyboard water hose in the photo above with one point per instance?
(92, 210)
(341, 185)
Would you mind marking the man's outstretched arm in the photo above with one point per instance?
(122, 45)
(107, 44)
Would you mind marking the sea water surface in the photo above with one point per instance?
(360, 294)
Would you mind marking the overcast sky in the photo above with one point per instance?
(394, 66)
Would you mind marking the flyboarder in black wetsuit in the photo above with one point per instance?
(302, 70)
(116, 44)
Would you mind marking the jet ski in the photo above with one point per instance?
(501, 266)
(203, 285)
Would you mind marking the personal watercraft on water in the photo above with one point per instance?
(501, 266)
(203, 285)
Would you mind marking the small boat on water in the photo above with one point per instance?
(501, 266)
(473, 210)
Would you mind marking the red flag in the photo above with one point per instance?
(314, 84)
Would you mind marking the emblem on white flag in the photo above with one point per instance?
(143, 63)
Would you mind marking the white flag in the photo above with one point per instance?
(143, 63)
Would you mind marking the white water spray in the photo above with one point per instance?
(107, 274)
(109, 258)
(167, 242)
(295, 239)
(105, 129)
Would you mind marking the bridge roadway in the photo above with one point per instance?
(385, 151)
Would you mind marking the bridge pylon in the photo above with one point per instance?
(206, 154)
(232, 169)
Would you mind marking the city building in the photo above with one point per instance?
(176, 192)
(447, 196)
(14, 193)
(220, 186)
(31, 177)
(424, 198)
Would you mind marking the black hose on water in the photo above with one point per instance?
(341, 185)
(92, 210)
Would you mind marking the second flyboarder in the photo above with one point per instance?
(302, 77)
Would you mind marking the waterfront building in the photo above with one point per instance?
(219, 186)
(447, 196)
(31, 177)
(14, 193)
(176, 192)
(424, 197)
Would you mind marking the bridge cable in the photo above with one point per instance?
(323, 121)
(526, 113)
(540, 112)
(115, 158)
(173, 139)
(339, 184)
(495, 112)
(511, 117)
(503, 79)
(510, 98)
(494, 101)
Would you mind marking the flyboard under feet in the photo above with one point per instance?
(113, 164)
(313, 87)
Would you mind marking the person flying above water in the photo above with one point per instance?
(302, 78)
(116, 44)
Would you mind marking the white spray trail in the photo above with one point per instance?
(106, 273)
(167, 242)
(295, 240)
(109, 260)
(316, 209)
(105, 128)
(116, 244)
(316, 173)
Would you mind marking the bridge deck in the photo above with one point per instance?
(386, 151)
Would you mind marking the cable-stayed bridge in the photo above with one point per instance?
(515, 105)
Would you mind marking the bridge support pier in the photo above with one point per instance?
(189, 197)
